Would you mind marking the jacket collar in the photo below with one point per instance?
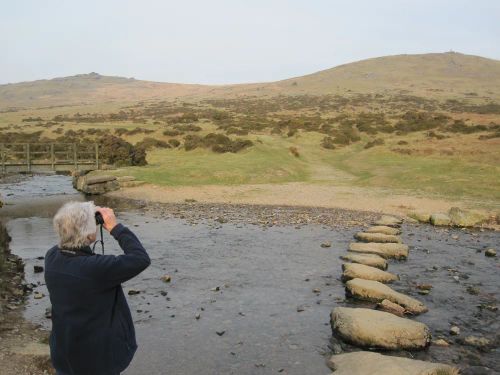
(81, 251)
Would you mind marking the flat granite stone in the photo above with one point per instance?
(366, 259)
(370, 363)
(390, 221)
(376, 237)
(385, 250)
(375, 291)
(361, 271)
(384, 229)
(378, 329)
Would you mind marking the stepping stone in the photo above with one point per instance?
(375, 291)
(376, 237)
(384, 229)
(389, 221)
(366, 259)
(353, 271)
(364, 363)
(391, 307)
(385, 250)
(378, 329)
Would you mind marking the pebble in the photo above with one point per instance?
(38, 295)
(490, 253)
(166, 278)
(37, 269)
(441, 342)
(132, 292)
(197, 316)
(220, 333)
(326, 244)
(454, 330)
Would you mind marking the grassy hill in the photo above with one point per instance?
(440, 75)
(427, 125)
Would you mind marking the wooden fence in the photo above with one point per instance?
(33, 157)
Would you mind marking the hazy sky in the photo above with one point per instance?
(231, 41)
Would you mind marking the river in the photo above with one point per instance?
(252, 286)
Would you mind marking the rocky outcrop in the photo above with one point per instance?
(94, 185)
(385, 250)
(384, 229)
(366, 259)
(354, 270)
(378, 329)
(465, 218)
(390, 221)
(440, 219)
(375, 291)
(370, 363)
(376, 237)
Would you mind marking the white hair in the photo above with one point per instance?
(74, 223)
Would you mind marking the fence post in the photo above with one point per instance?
(2, 150)
(96, 156)
(52, 157)
(28, 157)
(75, 157)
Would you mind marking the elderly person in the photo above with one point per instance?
(92, 329)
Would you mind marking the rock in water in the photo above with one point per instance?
(389, 221)
(353, 271)
(463, 218)
(375, 291)
(391, 307)
(385, 250)
(376, 237)
(421, 217)
(370, 363)
(490, 253)
(440, 219)
(366, 259)
(372, 328)
(384, 229)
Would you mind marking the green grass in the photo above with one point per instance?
(447, 177)
(263, 163)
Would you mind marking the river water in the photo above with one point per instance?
(252, 286)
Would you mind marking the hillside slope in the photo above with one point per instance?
(440, 75)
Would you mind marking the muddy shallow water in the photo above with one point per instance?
(256, 284)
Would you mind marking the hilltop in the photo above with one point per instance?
(438, 75)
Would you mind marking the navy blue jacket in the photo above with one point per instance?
(92, 328)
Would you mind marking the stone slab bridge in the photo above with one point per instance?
(46, 157)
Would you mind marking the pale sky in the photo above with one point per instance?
(231, 41)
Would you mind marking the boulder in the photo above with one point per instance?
(92, 185)
(372, 328)
(385, 250)
(370, 363)
(391, 307)
(389, 221)
(361, 271)
(91, 180)
(440, 219)
(421, 217)
(366, 259)
(375, 291)
(463, 218)
(376, 237)
(384, 229)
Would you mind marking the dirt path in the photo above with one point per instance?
(292, 194)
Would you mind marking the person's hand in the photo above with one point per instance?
(109, 217)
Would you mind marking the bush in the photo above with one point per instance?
(375, 142)
(219, 143)
(148, 143)
(327, 143)
(172, 132)
(114, 150)
(294, 150)
(174, 143)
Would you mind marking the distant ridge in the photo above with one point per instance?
(434, 74)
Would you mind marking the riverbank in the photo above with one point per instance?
(320, 196)
(23, 345)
